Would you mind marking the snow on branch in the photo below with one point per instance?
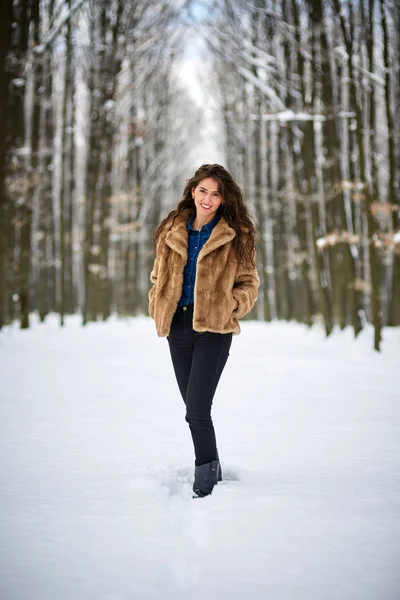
(346, 114)
(57, 28)
(289, 115)
(386, 241)
(337, 237)
(371, 76)
(266, 11)
(263, 87)
(341, 53)
(257, 62)
(268, 58)
(284, 25)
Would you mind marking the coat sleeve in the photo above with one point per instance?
(154, 272)
(245, 290)
(152, 292)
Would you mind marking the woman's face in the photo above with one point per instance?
(207, 199)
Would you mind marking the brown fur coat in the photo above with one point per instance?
(224, 292)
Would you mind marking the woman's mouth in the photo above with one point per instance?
(205, 206)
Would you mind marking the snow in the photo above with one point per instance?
(18, 82)
(266, 89)
(96, 467)
(267, 58)
(341, 53)
(53, 34)
(290, 115)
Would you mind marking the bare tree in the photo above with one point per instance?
(97, 139)
(6, 75)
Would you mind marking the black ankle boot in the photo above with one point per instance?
(220, 470)
(205, 478)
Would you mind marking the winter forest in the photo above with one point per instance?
(99, 135)
(107, 108)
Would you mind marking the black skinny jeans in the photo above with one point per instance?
(198, 359)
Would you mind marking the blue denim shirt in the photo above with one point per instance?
(196, 240)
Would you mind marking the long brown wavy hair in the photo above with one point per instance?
(233, 210)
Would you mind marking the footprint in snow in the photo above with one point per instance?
(178, 479)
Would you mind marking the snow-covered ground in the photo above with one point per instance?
(96, 468)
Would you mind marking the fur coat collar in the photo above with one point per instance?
(225, 290)
(177, 236)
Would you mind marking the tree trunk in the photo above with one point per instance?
(393, 196)
(6, 11)
(20, 178)
(65, 202)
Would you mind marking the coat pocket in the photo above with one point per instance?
(234, 304)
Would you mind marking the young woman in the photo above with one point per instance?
(204, 280)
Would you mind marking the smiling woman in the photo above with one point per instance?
(204, 280)
(207, 200)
